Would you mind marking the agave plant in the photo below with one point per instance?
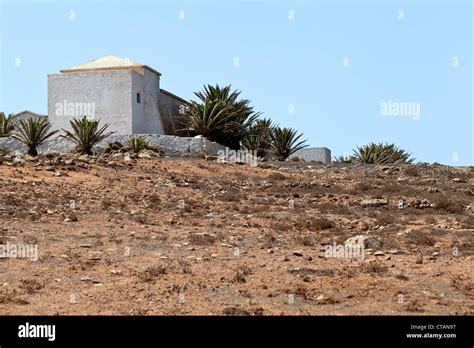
(257, 138)
(284, 142)
(344, 159)
(381, 154)
(230, 120)
(136, 144)
(86, 134)
(6, 125)
(33, 132)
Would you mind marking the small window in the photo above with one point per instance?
(139, 98)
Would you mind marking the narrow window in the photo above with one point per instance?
(139, 98)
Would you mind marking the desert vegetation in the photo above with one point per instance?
(6, 125)
(33, 132)
(86, 133)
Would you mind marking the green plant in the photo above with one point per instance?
(344, 159)
(381, 154)
(220, 116)
(284, 142)
(33, 132)
(6, 124)
(86, 134)
(257, 138)
(136, 143)
(208, 119)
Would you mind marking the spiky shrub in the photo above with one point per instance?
(208, 119)
(284, 142)
(6, 125)
(257, 138)
(344, 159)
(225, 117)
(86, 134)
(136, 144)
(33, 132)
(379, 153)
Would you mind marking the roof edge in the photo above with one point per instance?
(175, 96)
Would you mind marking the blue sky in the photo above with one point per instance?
(323, 67)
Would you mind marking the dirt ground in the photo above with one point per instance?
(180, 236)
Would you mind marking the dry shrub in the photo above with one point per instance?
(412, 171)
(453, 207)
(316, 224)
(334, 209)
(362, 186)
(420, 237)
(31, 285)
(281, 226)
(232, 197)
(373, 267)
(276, 176)
(384, 219)
(150, 273)
(305, 240)
(241, 273)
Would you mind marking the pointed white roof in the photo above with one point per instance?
(108, 63)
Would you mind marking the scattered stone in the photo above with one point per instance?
(365, 240)
(379, 253)
(298, 253)
(458, 180)
(375, 202)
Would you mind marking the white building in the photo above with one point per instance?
(122, 93)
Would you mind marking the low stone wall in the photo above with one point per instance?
(169, 143)
(314, 154)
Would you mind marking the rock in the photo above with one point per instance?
(458, 180)
(365, 240)
(379, 253)
(298, 253)
(374, 202)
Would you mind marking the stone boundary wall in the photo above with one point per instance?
(169, 143)
(314, 154)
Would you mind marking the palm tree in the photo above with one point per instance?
(235, 116)
(33, 132)
(86, 134)
(284, 142)
(257, 138)
(6, 125)
(208, 119)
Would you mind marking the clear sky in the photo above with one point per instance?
(323, 67)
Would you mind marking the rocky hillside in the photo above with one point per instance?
(118, 234)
